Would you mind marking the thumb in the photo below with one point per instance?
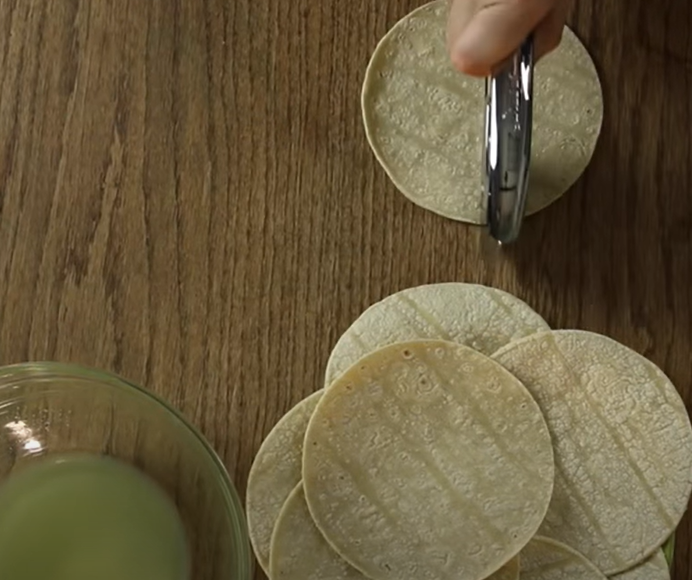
(494, 32)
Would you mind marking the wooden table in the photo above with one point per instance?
(187, 198)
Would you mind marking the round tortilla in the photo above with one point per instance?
(655, 568)
(274, 474)
(300, 552)
(478, 316)
(622, 439)
(510, 571)
(545, 559)
(298, 549)
(426, 460)
(424, 119)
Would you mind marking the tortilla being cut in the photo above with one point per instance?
(545, 559)
(426, 460)
(622, 439)
(478, 316)
(655, 568)
(424, 119)
(275, 472)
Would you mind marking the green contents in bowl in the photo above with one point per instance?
(83, 516)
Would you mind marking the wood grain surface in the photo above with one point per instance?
(187, 199)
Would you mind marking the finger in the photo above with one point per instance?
(495, 32)
(460, 14)
(548, 34)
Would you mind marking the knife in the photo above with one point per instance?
(507, 144)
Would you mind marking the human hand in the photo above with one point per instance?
(482, 34)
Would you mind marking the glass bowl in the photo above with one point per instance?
(51, 408)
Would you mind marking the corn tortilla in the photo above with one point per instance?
(424, 120)
(274, 474)
(300, 552)
(655, 568)
(481, 317)
(545, 559)
(298, 549)
(622, 439)
(510, 571)
(426, 460)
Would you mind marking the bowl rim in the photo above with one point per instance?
(17, 372)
